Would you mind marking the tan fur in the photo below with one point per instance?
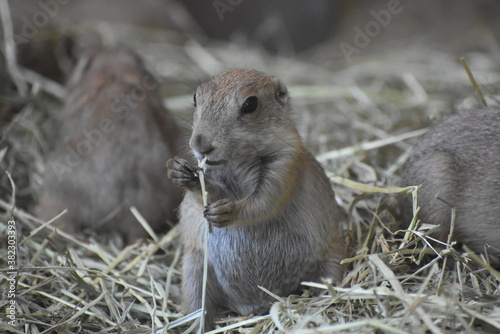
(115, 138)
(457, 161)
(276, 222)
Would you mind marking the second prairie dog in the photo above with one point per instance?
(275, 219)
(114, 140)
(458, 160)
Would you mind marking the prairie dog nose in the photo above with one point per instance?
(200, 144)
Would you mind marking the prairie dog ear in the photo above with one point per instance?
(281, 93)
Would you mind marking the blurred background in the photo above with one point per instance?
(326, 30)
(358, 70)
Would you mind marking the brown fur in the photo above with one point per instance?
(457, 160)
(275, 217)
(115, 138)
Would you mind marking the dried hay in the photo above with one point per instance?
(357, 119)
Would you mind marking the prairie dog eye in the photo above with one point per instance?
(250, 105)
(194, 99)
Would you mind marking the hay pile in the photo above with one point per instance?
(357, 119)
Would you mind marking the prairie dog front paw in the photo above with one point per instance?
(182, 173)
(220, 213)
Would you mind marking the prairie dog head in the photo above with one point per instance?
(242, 115)
(110, 70)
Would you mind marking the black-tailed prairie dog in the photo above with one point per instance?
(457, 163)
(273, 212)
(115, 137)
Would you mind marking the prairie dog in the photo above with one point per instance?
(458, 160)
(114, 140)
(275, 219)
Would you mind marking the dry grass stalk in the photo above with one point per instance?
(473, 82)
(204, 196)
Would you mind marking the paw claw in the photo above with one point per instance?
(220, 213)
(182, 173)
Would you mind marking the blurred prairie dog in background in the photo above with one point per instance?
(275, 219)
(458, 160)
(114, 140)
